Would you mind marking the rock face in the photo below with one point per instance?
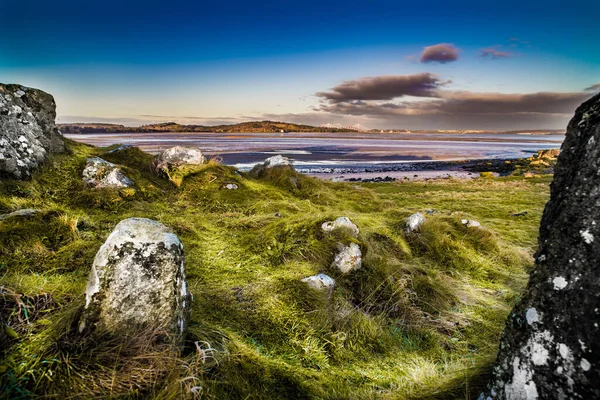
(28, 134)
(348, 259)
(100, 173)
(341, 223)
(321, 282)
(178, 156)
(137, 282)
(551, 345)
(414, 222)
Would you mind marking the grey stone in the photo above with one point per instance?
(137, 282)
(24, 213)
(121, 147)
(348, 259)
(178, 156)
(231, 186)
(321, 282)
(414, 222)
(277, 161)
(341, 223)
(28, 134)
(100, 173)
(469, 223)
(550, 348)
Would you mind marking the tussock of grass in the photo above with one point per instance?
(420, 319)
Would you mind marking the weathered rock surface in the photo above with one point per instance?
(277, 161)
(551, 345)
(100, 173)
(122, 147)
(24, 213)
(414, 222)
(28, 133)
(137, 282)
(348, 259)
(321, 282)
(469, 223)
(231, 186)
(341, 223)
(178, 156)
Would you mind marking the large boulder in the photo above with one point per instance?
(178, 156)
(100, 173)
(137, 282)
(28, 133)
(550, 348)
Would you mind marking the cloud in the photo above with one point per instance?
(440, 53)
(593, 88)
(385, 88)
(493, 53)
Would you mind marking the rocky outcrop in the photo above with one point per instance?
(137, 282)
(551, 345)
(348, 259)
(343, 223)
(178, 156)
(28, 134)
(321, 282)
(100, 173)
(414, 222)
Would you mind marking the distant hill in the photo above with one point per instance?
(258, 126)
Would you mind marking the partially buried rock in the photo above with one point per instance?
(348, 259)
(178, 156)
(28, 134)
(321, 282)
(24, 213)
(341, 223)
(231, 186)
(469, 223)
(277, 161)
(100, 173)
(550, 348)
(414, 222)
(138, 282)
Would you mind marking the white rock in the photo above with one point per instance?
(178, 156)
(414, 222)
(343, 223)
(231, 186)
(137, 281)
(348, 259)
(277, 161)
(100, 173)
(320, 282)
(469, 223)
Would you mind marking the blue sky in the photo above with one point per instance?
(135, 62)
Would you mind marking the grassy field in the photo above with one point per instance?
(421, 319)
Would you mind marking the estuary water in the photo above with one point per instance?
(317, 153)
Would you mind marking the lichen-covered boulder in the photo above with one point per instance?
(414, 222)
(178, 156)
(550, 348)
(320, 282)
(348, 258)
(100, 173)
(137, 282)
(28, 133)
(341, 223)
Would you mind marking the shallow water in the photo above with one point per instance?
(332, 152)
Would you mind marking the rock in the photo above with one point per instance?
(321, 282)
(178, 156)
(121, 147)
(550, 348)
(277, 161)
(414, 222)
(100, 173)
(137, 282)
(24, 213)
(348, 259)
(519, 214)
(28, 134)
(341, 223)
(469, 223)
(231, 186)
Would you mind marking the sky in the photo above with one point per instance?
(383, 64)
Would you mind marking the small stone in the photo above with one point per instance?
(320, 282)
(24, 213)
(100, 173)
(231, 186)
(341, 223)
(348, 259)
(414, 222)
(469, 223)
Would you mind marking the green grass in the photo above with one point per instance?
(421, 319)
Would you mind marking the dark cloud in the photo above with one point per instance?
(593, 88)
(493, 53)
(440, 53)
(385, 88)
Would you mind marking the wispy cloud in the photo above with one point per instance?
(440, 53)
(593, 88)
(494, 53)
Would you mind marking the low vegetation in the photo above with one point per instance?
(421, 319)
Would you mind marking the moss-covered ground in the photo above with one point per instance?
(420, 319)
